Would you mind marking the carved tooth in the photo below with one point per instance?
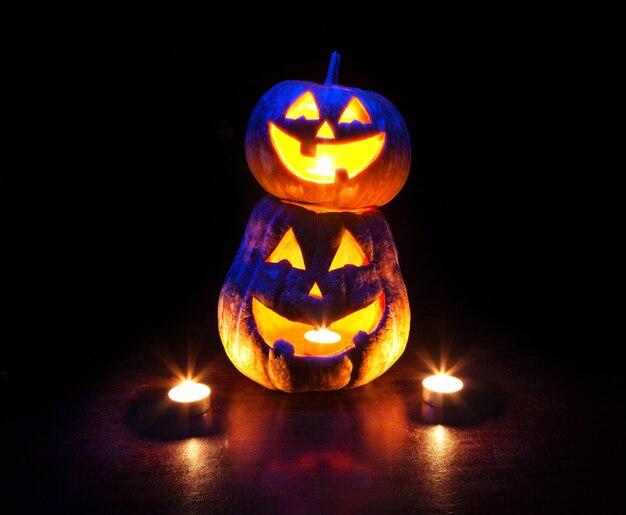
(282, 348)
(308, 149)
(360, 339)
(341, 176)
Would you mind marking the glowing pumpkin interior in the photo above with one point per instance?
(321, 164)
(310, 340)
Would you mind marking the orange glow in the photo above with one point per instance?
(325, 131)
(304, 106)
(355, 111)
(272, 327)
(365, 319)
(326, 209)
(188, 391)
(348, 253)
(322, 336)
(289, 249)
(354, 156)
(315, 291)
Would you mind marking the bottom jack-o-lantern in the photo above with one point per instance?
(314, 299)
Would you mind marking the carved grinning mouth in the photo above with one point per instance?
(353, 156)
(273, 327)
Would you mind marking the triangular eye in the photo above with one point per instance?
(348, 253)
(289, 249)
(304, 106)
(355, 110)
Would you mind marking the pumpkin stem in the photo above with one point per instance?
(332, 77)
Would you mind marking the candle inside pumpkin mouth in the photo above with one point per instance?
(194, 397)
(314, 340)
(322, 336)
(354, 156)
(439, 387)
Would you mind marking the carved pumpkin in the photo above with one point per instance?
(302, 275)
(328, 144)
(314, 299)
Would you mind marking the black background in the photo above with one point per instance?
(126, 189)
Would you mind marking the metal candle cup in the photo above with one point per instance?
(438, 389)
(194, 398)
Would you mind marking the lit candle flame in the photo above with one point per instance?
(322, 336)
(443, 383)
(189, 391)
(323, 167)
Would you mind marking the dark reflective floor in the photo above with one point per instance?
(523, 439)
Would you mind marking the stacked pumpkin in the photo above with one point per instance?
(314, 299)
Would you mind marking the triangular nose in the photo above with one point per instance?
(315, 291)
(325, 132)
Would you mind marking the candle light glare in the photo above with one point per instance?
(189, 391)
(443, 383)
(322, 336)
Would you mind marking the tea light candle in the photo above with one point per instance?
(322, 336)
(194, 398)
(322, 342)
(439, 388)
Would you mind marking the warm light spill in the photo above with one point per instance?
(348, 253)
(325, 131)
(324, 169)
(288, 248)
(443, 383)
(322, 336)
(273, 327)
(355, 111)
(304, 106)
(188, 391)
(354, 156)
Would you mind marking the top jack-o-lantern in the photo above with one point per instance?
(327, 144)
